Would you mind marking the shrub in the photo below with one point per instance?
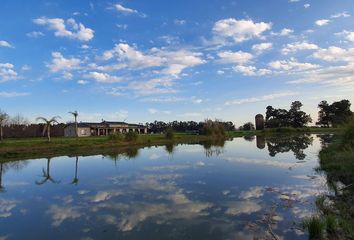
(213, 128)
(348, 135)
(116, 137)
(131, 136)
(315, 227)
(169, 133)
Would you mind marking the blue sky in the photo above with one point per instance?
(173, 60)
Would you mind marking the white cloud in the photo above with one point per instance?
(14, 94)
(307, 5)
(335, 54)
(243, 207)
(59, 63)
(292, 64)
(127, 11)
(180, 22)
(103, 77)
(284, 32)
(259, 48)
(298, 46)
(251, 70)
(82, 82)
(5, 44)
(76, 30)
(347, 35)
(7, 72)
(261, 98)
(153, 110)
(322, 22)
(35, 34)
(234, 57)
(239, 30)
(171, 62)
(339, 15)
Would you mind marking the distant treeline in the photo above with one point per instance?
(185, 126)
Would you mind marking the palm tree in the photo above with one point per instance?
(1, 171)
(46, 175)
(48, 123)
(76, 179)
(3, 118)
(75, 114)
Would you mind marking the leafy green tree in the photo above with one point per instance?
(335, 114)
(297, 117)
(48, 123)
(3, 118)
(247, 127)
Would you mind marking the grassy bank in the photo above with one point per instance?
(16, 149)
(335, 219)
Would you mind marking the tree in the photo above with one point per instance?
(335, 114)
(48, 123)
(18, 119)
(75, 114)
(247, 127)
(297, 117)
(3, 118)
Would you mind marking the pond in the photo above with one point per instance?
(244, 188)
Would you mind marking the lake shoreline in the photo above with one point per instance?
(15, 149)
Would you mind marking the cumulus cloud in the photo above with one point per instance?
(261, 98)
(335, 54)
(7, 72)
(239, 30)
(5, 44)
(291, 64)
(69, 28)
(283, 32)
(251, 70)
(103, 77)
(60, 63)
(307, 5)
(239, 57)
(322, 22)
(347, 35)
(171, 62)
(259, 48)
(298, 46)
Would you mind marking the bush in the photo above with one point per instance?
(348, 135)
(131, 136)
(116, 137)
(169, 133)
(214, 128)
(315, 227)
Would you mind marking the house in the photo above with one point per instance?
(86, 129)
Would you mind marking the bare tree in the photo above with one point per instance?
(19, 119)
(75, 114)
(48, 123)
(3, 118)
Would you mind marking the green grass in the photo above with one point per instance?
(315, 227)
(15, 149)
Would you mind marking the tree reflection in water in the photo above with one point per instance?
(297, 144)
(1, 169)
(46, 175)
(214, 147)
(75, 181)
(170, 148)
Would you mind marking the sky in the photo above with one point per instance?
(140, 61)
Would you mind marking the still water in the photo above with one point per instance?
(240, 189)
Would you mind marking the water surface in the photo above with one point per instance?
(240, 189)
